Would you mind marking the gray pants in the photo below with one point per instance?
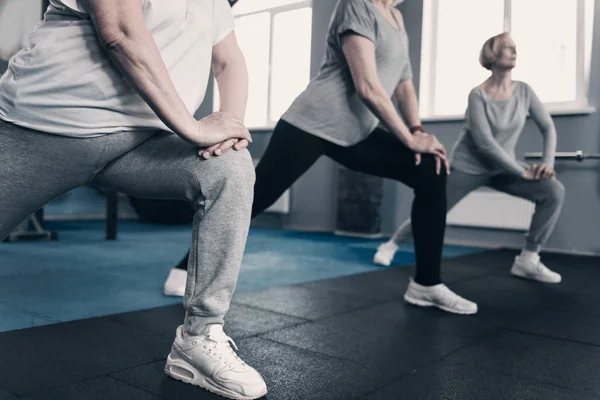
(548, 196)
(38, 167)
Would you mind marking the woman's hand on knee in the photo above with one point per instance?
(538, 172)
(438, 165)
(220, 148)
(421, 142)
(439, 154)
(219, 127)
(543, 171)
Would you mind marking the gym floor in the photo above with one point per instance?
(85, 319)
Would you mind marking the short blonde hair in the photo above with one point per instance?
(487, 55)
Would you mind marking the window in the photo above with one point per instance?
(553, 39)
(275, 37)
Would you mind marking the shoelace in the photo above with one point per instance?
(230, 345)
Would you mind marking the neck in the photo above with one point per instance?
(500, 78)
(384, 3)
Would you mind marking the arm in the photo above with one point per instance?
(229, 69)
(231, 74)
(407, 100)
(360, 55)
(543, 120)
(405, 93)
(481, 133)
(121, 30)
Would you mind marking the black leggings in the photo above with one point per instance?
(291, 152)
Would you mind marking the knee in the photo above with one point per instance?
(235, 170)
(556, 192)
(428, 180)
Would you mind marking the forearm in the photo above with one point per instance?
(381, 105)
(491, 149)
(502, 159)
(408, 103)
(549, 147)
(136, 55)
(232, 81)
(544, 122)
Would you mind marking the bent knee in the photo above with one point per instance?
(428, 177)
(556, 191)
(233, 167)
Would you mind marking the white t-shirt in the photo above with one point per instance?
(63, 83)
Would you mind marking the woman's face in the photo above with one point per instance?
(506, 53)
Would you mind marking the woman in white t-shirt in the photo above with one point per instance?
(104, 93)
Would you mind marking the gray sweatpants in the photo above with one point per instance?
(37, 167)
(548, 196)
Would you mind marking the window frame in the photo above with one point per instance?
(273, 11)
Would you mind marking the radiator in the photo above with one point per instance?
(486, 208)
(282, 205)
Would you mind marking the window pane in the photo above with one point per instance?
(253, 36)
(248, 6)
(291, 58)
(546, 47)
(462, 28)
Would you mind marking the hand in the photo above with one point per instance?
(219, 127)
(542, 171)
(420, 141)
(221, 148)
(528, 175)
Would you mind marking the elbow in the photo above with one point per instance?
(403, 91)
(366, 89)
(548, 131)
(485, 149)
(112, 39)
(235, 62)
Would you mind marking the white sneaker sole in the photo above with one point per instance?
(173, 366)
(520, 274)
(427, 303)
(173, 292)
(379, 260)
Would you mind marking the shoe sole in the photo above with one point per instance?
(425, 303)
(201, 380)
(523, 275)
(379, 261)
(173, 293)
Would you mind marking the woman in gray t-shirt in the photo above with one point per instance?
(366, 63)
(484, 155)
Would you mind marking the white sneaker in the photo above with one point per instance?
(175, 283)
(210, 362)
(532, 268)
(385, 253)
(438, 296)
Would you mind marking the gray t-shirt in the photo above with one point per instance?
(330, 107)
(492, 129)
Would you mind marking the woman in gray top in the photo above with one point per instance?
(366, 62)
(484, 155)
